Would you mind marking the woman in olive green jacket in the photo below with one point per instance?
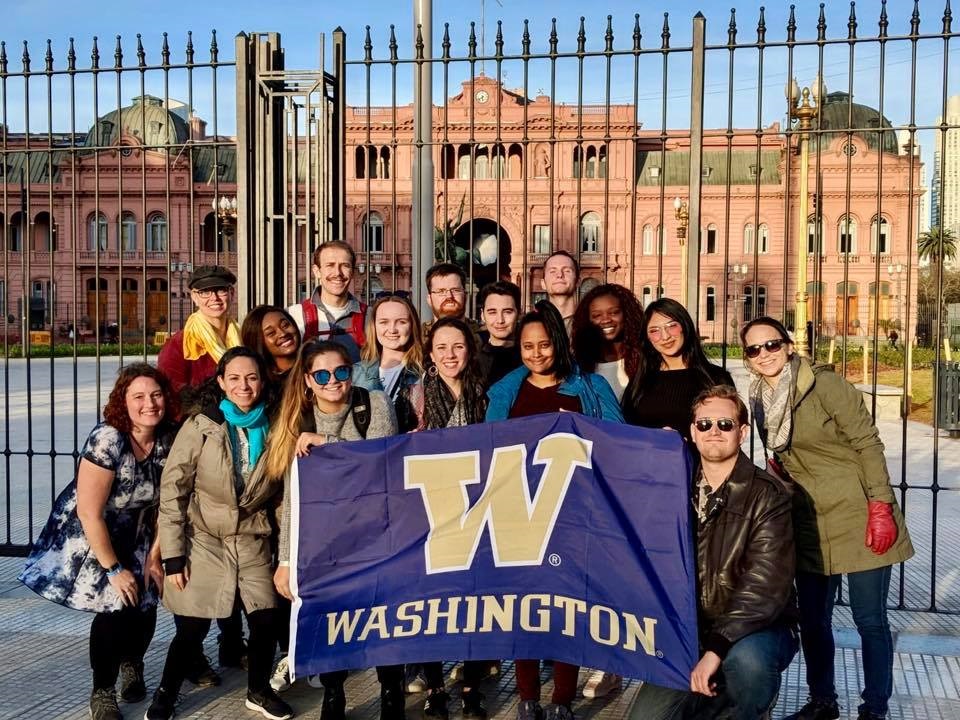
(214, 529)
(846, 518)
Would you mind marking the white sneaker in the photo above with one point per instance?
(602, 683)
(414, 681)
(314, 681)
(280, 679)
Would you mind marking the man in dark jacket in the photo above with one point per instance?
(500, 308)
(745, 571)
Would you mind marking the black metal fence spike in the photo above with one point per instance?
(637, 35)
(498, 43)
(189, 47)
(792, 25)
(852, 21)
(554, 39)
(915, 18)
(394, 46)
(762, 26)
(367, 47)
(25, 58)
(822, 25)
(3, 56)
(141, 53)
(665, 33)
(582, 36)
(608, 36)
(884, 21)
(71, 57)
(165, 51)
(418, 44)
(214, 50)
(472, 42)
(732, 28)
(525, 40)
(118, 55)
(95, 55)
(48, 59)
(947, 18)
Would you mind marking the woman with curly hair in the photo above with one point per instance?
(98, 551)
(271, 332)
(673, 370)
(607, 327)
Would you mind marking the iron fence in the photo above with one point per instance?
(611, 143)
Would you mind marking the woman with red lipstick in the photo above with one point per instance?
(673, 370)
(607, 327)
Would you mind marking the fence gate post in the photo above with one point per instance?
(698, 58)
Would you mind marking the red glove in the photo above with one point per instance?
(881, 528)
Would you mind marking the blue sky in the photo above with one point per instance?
(300, 24)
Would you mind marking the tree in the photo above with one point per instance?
(445, 249)
(936, 245)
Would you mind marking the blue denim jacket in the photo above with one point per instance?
(366, 374)
(596, 398)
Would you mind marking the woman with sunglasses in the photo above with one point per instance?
(214, 528)
(673, 370)
(549, 381)
(607, 327)
(451, 395)
(98, 551)
(394, 361)
(846, 518)
(321, 405)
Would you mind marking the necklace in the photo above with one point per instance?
(145, 450)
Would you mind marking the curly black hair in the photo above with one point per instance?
(588, 342)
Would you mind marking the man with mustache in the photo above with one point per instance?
(332, 312)
(561, 274)
(500, 308)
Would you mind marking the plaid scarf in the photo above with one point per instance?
(772, 407)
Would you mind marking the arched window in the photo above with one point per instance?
(710, 240)
(646, 297)
(648, 240)
(463, 163)
(360, 168)
(879, 236)
(15, 232)
(577, 154)
(748, 235)
(128, 232)
(97, 232)
(602, 158)
(482, 165)
(373, 233)
(591, 162)
(383, 164)
(711, 303)
(847, 236)
(761, 301)
(157, 233)
(812, 231)
(763, 246)
(747, 303)
(591, 233)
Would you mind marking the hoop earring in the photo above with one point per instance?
(433, 371)
(308, 393)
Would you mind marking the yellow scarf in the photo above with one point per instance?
(201, 338)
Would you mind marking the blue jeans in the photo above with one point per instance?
(748, 687)
(868, 601)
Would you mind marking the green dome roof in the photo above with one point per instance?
(837, 113)
(146, 119)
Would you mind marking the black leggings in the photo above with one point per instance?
(388, 675)
(188, 643)
(116, 637)
(473, 672)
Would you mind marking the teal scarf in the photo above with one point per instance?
(254, 422)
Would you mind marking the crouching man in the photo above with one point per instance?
(745, 572)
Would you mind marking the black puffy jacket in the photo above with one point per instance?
(745, 559)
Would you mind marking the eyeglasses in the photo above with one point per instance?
(207, 293)
(671, 329)
(723, 424)
(322, 377)
(441, 292)
(771, 346)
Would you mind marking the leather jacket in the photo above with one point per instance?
(745, 558)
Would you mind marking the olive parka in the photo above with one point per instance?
(835, 458)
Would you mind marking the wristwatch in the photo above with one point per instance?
(114, 569)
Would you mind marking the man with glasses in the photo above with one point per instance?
(332, 312)
(447, 295)
(561, 274)
(745, 571)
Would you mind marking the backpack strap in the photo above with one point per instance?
(360, 408)
(356, 325)
(311, 320)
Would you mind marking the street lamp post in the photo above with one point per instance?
(739, 272)
(226, 209)
(804, 112)
(682, 214)
(896, 271)
(181, 268)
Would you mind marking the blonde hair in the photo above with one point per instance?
(373, 350)
(295, 403)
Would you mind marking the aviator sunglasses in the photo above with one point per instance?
(771, 346)
(340, 373)
(723, 424)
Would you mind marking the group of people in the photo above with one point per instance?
(182, 493)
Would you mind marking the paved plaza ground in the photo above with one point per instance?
(44, 668)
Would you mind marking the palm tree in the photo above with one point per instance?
(937, 245)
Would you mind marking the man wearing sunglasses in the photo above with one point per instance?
(745, 570)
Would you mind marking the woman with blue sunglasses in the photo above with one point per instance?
(321, 405)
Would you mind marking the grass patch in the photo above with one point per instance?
(83, 350)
